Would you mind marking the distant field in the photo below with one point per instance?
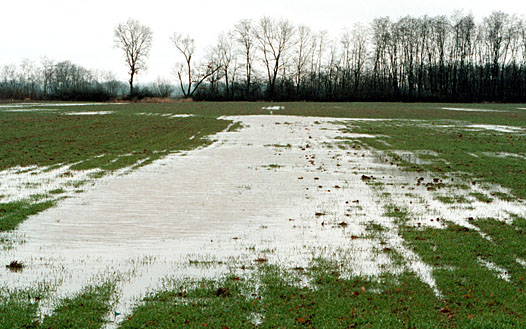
(444, 188)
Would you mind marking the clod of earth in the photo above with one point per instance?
(367, 178)
(15, 266)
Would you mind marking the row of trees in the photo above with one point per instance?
(48, 80)
(426, 58)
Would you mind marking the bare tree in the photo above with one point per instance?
(244, 31)
(275, 39)
(359, 52)
(380, 40)
(194, 76)
(303, 52)
(47, 73)
(136, 41)
(227, 61)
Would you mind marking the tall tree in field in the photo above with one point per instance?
(136, 41)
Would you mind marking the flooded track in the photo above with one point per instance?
(278, 191)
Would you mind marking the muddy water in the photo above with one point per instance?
(243, 200)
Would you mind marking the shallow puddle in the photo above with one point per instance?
(469, 110)
(503, 129)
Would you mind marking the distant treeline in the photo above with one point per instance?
(66, 81)
(443, 58)
(57, 81)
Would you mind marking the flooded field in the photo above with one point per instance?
(281, 191)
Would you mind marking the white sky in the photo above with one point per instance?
(82, 31)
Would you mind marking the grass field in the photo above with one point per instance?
(469, 156)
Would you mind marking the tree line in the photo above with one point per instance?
(442, 58)
(50, 80)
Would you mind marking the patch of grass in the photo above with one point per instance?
(46, 139)
(276, 300)
(481, 197)
(374, 228)
(510, 237)
(206, 304)
(272, 166)
(236, 126)
(454, 146)
(452, 199)
(57, 191)
(475, 297)
(18, 309)
(12, 214)
(279, 145)
(86, 310)
(400, 214)
(503, 196)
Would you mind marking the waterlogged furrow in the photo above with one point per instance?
(26, 183)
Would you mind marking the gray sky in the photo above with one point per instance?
(82, 31)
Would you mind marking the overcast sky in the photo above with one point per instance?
(82, 31)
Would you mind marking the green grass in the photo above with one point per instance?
(272, 166)
(473, 295)
(452, 199)
(13, 213)
(207, 304)
(122, 138)
(455, 147)
(278, 302)
(85, 310)
(17, 309)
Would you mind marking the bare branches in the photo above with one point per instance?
(194, 76)
(274, 38)
(244, 32)
(135, 40)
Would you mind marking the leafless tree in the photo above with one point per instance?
(275, 39)
(194, 76)
(303, 53)
(47, 73)
(380, 39)
(358, 52)
(244, 32)
(227, 61)
(136, 41)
